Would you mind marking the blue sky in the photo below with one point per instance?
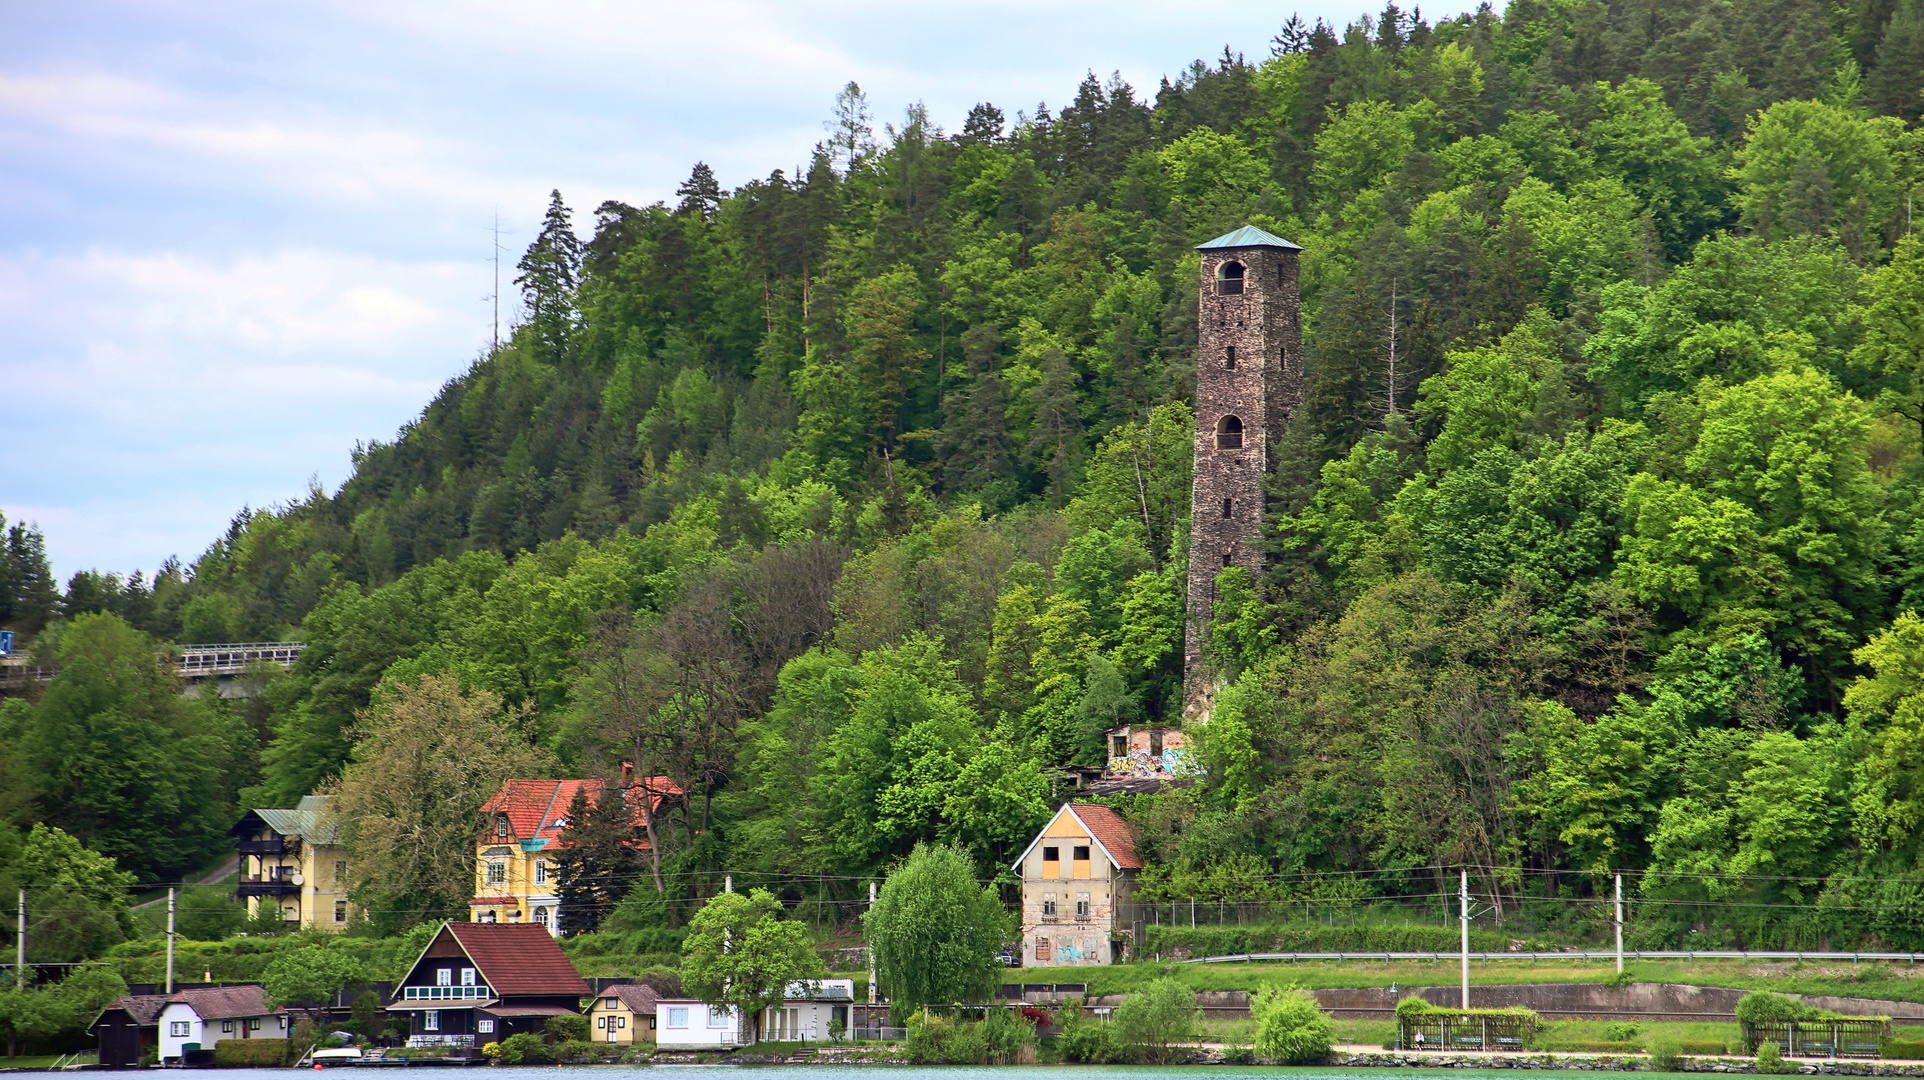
(236, 238)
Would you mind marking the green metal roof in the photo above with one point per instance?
(1249, 236)
(314, 822)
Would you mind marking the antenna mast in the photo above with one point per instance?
(496, 297)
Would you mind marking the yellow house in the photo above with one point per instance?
(292, 860)
(521, 824)
(624, 1015)
(1076, 877)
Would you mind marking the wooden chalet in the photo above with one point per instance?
(478, 983)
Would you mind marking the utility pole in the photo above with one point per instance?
(20, 946)
(1619, 922)
(497, 280)
(1464, 898)
(170, 939)
(871, 948)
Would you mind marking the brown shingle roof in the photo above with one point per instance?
(143, 1008)
(640, 999)
(518, 958)
(226, 1002)
(1112, 832)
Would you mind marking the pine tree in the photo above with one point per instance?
(1055, 446)
(549, 273)
(596, 860)
(1896, 84)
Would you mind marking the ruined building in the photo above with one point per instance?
(1249, 382)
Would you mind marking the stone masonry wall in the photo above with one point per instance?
(1263, 388)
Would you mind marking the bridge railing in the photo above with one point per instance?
(190, 661)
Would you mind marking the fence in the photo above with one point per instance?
(879, 1034)
(1857, 1037)
(1443, 1029)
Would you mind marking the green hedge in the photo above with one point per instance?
(1713, 1047)
(1900, 1048)
(253, 1053)
(1312, 937)
(1594, 1046)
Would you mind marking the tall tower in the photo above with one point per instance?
(1249, 382)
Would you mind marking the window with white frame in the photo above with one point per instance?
(485, 1027)
(1082, 905)
(444, 977)
(497, 873)
(1048, 905)
(541, 915)
(677, 1017)
(601, 1021)
(467, 976)
(178, 1029)
(718, 1018)
(541, 871)
(431, 1020)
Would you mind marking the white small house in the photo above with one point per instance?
(201, 1018)
(810, 1012)
(687, 1024)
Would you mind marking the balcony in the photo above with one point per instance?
(278, 881)
(279, 845)
(446, 993)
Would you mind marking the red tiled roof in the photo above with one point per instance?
(538, 809)
(639, 999)
(518, 958)
(1112, 832)
(226, 1002)
(491, 900)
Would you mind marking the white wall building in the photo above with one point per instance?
(205, 1017)
(687, 1024)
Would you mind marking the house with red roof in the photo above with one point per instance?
(1077, 875)
(478, 983)
(521, 824)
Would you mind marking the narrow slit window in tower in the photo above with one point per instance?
(1229, 433)
(1228, 506)
(1230, 357)
(1226, 558)
(1229, 280)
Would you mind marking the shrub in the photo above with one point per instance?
(253, 1053)
(1765, 1006)
(1008, 1035)
(1620, 1032)
(1665, 1055)
(1594, 1046)
(1081, 1039)
(568, 1027)
(1703, 1046)
(576, 1050)
(1899, 1048)
(526, 1048)
(1151, 1020)
(1290, 1028)
(1770, 1062)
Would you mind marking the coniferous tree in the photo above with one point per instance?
(596, 860)
(550, 271)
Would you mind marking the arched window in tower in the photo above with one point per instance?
(1229, 506)
(1229, 279)
(1229, 358)
(1228, 558)
(1229, 433)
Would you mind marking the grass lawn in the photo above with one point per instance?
(1892, 982)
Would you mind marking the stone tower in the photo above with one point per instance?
(1249, 382)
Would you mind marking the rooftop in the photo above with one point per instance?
(1249, 236)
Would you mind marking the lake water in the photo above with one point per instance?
(899, 1072)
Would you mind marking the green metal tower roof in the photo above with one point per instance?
(1248, 236)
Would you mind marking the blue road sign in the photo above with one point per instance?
(6, 643)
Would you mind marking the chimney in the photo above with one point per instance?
(627, 773)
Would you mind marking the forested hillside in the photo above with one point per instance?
(854, 499)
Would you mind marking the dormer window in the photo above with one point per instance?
(500, 824)
(1229, 279)
(1229, 433)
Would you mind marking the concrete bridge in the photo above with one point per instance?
(195, 663)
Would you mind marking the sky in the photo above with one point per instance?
(238, 238)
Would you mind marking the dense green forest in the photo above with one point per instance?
(855, 500)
